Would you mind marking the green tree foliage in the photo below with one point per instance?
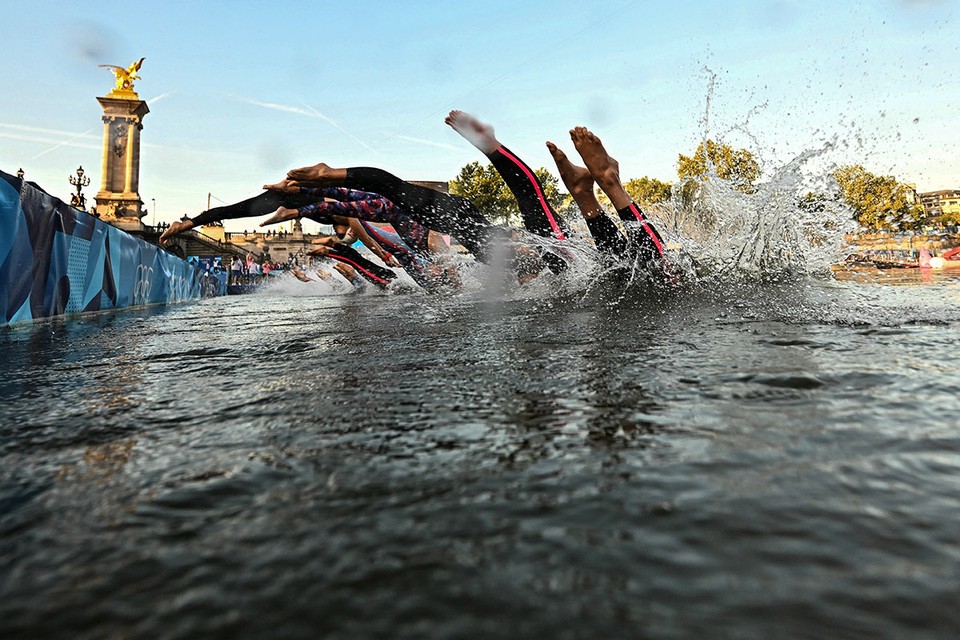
(483, 186)
(951, 218)
(644, 191)
(738, 166)
(878, 202)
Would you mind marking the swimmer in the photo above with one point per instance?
(284, 205)
(442, 212)
(605, 170)
(413, 247)
(342, 253)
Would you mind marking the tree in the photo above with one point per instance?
(644, 191)
(878, 202)
(737, 166)
(647, 191)
(484, 187)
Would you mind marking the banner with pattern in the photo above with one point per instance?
(56, 260)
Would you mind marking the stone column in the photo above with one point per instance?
(118, 201)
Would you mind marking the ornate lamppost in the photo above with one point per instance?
(78, 200)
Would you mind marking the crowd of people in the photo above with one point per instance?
(404, 224)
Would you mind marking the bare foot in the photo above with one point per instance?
(282, 214)
(578, 181)
(476, 133)
(604, 169)
(324, 275)
(177, 227)
(284, 186)
(601, 165)
(319, 172)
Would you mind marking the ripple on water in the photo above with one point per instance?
(263, 466)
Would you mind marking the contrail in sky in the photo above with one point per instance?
(309, 112)
(66, 143)
(153, 101)
(37, 134)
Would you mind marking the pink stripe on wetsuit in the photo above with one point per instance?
(538, 216)
(650, 237)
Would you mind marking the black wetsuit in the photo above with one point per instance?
(380, 276)
(433, 209)
(266, 202)
(538, 216)
(269, 201)
(642, 243)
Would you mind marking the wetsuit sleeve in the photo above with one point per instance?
(380, 276)
(266, 202)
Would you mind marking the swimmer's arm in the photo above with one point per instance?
(372, 244)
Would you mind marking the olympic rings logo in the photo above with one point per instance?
(141, 285)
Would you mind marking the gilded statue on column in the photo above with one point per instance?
(125, 76)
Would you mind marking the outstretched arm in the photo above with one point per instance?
(371, 244)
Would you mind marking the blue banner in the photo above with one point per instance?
(56, 260)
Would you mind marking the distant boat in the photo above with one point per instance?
(927, 261)
(879, 263)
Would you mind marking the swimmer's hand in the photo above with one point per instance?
(389, 260)
(175, 227)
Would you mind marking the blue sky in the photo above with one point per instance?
(241, 91)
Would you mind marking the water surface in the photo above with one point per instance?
(750, 461)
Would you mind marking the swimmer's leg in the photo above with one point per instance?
(606, 171)
(538, 216)
(579, 182)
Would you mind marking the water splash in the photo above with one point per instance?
(723, 233)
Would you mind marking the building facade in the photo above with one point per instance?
(941, 203)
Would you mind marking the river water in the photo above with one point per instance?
(751, 460)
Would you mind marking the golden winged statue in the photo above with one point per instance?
(125, 77)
